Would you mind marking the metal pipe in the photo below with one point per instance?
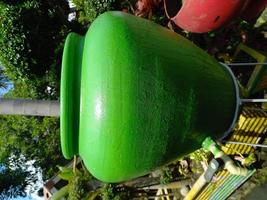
(198, 185)
(229, 164)
(243, 143)
(253, 100)
(211, 146)
(245, 64)
(172, 185)
(203, 179)
(29, 107)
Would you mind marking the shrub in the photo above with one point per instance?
(89, 10)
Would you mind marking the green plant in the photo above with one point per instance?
(3, 79)
(78, 183)
(77, 187)
(166, 176)
(111, 192)
(30, 37)
(13, 182)
(200, 155)
(89, 10)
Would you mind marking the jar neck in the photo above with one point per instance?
(70, 94)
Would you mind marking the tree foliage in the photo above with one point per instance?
(36, 138)
(31, 43)
(3, 79)
(12, 182)
(89, 10)
(31, 39)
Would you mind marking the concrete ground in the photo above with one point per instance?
(259, 193)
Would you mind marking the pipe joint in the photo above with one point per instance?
(229, 164)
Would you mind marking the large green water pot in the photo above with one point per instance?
(135, 96)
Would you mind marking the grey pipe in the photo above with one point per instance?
(29, 107)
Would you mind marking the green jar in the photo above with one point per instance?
(136, 96)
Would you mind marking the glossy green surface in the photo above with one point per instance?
(148, 96)
(70, 94)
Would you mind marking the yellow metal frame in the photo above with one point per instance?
(251, 128)
(258, 78)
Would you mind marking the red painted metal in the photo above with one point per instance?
(204, 15)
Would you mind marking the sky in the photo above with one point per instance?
(3, 91)
(22, 198)
(30, 190)
(9, 85)
(30, 197)
(39, 184)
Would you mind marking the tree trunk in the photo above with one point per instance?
(29, 107)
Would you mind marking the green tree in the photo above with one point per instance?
(34, 138)
(31, 43)
(12, 182)
(3, 79)
(31, 138)
(89, 10)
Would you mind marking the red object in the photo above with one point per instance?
(201, 16)
(144, 7)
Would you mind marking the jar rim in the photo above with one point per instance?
(70, 94)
